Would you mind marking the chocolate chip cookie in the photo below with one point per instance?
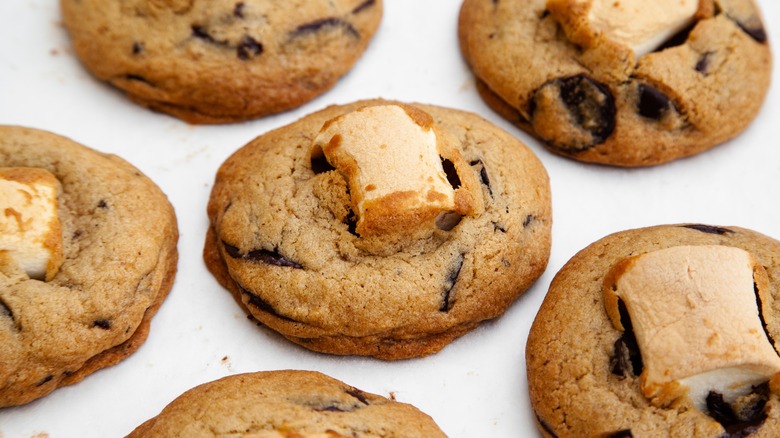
(627, 83)
(661, 331)
(379, 228)
(87, 255)
(286, 404)
(220, 61)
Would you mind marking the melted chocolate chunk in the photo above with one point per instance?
(627, 348)
(704, 63)
(483, 175)
(351, 222)
(262, 256)
(748, 416)
(102, 204)
(625, 433)
(754, 28)
(451, 172)
(322, 24)
(238, 10)
(358, 394)
(363, 6)
(137, 48)
(320, 165)
(262, 304)
(45, 380)
(450, 282)
(677, 39)
(200, 32)
(720, 410)
(590, 104)
(708, 229)
(652, 103)
(102, 323)
(248, 48)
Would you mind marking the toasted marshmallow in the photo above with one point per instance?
(30, 231)
(391, 157)
(639, 24)
(694, 313)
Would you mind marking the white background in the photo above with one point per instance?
(475, 386)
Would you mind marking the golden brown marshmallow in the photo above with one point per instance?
(639, 24)
(694, 314)
(30, 231)
(391, 157)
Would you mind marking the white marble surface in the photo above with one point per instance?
(475, 386)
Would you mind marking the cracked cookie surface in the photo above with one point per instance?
(584, 374)
(220, 61)
(283, 240)
(606, 104)
(287, 404)
(119, 238)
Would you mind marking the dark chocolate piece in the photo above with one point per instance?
(451, 172)
(238, 10)
(102, 323)
(102, 204)
(324, 23)
(677, 39)
(137, 48)
(754, 28)
(652, 103)
(704, 63)
(625, 433)
(262, 256)
(708, 229)
(45, 380)
(450, 282)
(528, 219)
(248, 48)
(358, 394)
(262, 304)
(483, 175)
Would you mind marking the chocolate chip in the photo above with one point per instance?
(102, 323)
(620, 362)
(363, 6)
(138, 78)
(351, 222)
(45, 380)
(449, 283)
(324, 23)
(747, 418)
(625, 433)
(261, 304)
(483, 175)
(137, 48)
(102, 204)
(451, 172)
(677, 39)
(652, 103)
(720, 410)
(591, 109)
(754, 28)
(627, 346)
(238, 10)
(498, 227)
(320, 165)
(448, 220)
(201, 33)
(262, 256)
(528, 219)
(708, 229)
(704, 63)
(248, 48)
(358, 394)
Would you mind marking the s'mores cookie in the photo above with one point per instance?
(379, 228)
(661, 331)
(624, 83)
(87, 255)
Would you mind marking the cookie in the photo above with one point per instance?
(220, 61)
(625, 83)
(379, 228)
(286, 404)
(661, 331)
(87, 255)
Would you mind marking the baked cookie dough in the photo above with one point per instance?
(220, 61)
(286, 404)
(629, 83)
(661, 331)
(88, 253)
(379, 228)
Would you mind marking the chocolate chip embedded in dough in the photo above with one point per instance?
(625, 433)
(709, 229)
(483, 174)
(449, 284)
(363, 6)
(703, 63)
(451, 172)
(573, 113)
(263, 256)
(323, 24)
(262, 304)
(238, 10)
(652, 103)
(248, 48)
(102, 323)
(754, 28)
